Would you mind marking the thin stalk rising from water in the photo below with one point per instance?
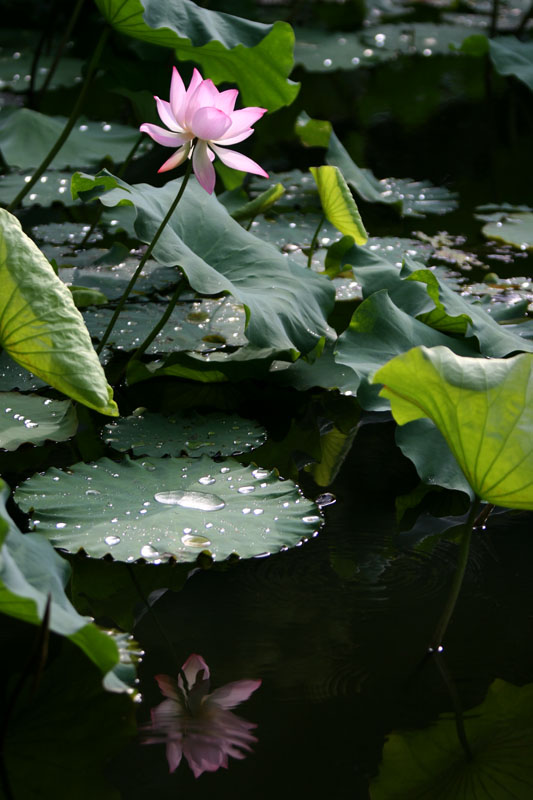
(161, 324)
(456, 701)
(312, 246)
(144, 259)
(62, 44)
(123, 167)
(69, 125)
(464, 549)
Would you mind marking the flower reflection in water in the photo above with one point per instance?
(198, 724)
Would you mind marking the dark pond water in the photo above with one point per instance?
(338, 633)
(337, 629)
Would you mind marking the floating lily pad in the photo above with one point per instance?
(52, 187)
(411, 198)
(29, 418)
(196, 326)
(64, 233)
(300, 189)
(325, 52)
(13, 376)
(514, 229)
(112, 280)
(155, 435)
(168, 508)
(26, 137)
(16, 66)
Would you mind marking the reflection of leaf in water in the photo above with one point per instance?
(431, 763)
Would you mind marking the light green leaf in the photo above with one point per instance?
(168, 508)
(257, 57)
(431, 763)
(483, 408)
(338, 203)
(286, 304)
(41, 328)
(313, 132)
(84, 296)
(510, 56)
(259, 204)
(29, 418)
(27, 136)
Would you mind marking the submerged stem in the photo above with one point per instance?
(69, 125)
(59, 52)
(456, 701)
(144, 259)
(451, 602)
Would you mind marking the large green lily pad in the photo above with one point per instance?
(169, 508)
(151, 434)
(29, 418)
(482, 407)
(255, 56)
(287, 304)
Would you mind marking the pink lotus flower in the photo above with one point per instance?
(199, 725)
(200, 119)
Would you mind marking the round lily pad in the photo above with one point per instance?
(13, 376)
(192, 326)
(156, 435)
(52, 187)
(514, 229)
(29, 418)
(168, 508)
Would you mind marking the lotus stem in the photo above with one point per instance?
(494, 18)
(145, 258)
(69, 125)
(456, 702)
(464, 549)
(62, 44)
(123, 167)
(160, 325)
(312, 246)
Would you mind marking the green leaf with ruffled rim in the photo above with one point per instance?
(41, 328)
(483, 408)
(257, 57)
